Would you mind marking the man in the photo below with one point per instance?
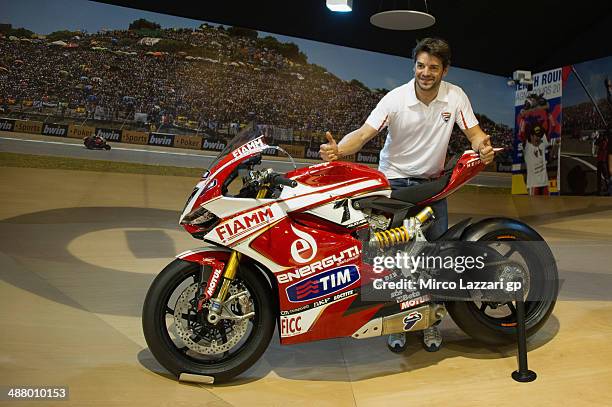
(534, 154)
(420, 116)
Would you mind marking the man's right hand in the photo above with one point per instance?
(329, 151)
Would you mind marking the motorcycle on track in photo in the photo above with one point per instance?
(293, 250)
(96, 143)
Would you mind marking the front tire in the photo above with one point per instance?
(175, 354)
(500, 329)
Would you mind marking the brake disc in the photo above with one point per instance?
(209, 340)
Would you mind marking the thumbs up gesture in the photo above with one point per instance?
(486, 150)
(329, 151)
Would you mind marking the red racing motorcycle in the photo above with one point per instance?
(294, 250)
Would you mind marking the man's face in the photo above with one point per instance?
(428, 71)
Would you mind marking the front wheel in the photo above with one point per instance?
(181, 338)
(495, 323)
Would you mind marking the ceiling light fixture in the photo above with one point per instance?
(343, 6)
(402, 19)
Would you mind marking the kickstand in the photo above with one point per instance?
(523, 374)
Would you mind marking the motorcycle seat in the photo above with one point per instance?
(420, 192)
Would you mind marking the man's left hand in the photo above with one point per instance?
(486, 150)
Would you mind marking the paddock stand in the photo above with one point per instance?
(523, 374)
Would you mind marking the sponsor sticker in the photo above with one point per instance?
(250, 148)
(411, 319)
(291, 325)
(323, 284)
(414, 302)
(303, 249)
(242, 225)
(335, 259)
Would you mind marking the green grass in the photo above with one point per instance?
(78, 164)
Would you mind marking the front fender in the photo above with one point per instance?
(481, 228)
(201, 255)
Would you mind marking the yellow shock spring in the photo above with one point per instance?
(391, 237)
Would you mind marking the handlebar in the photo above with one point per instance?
(278, 179)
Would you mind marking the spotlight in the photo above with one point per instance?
(340, 5)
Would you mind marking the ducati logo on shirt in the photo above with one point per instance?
(446, 116)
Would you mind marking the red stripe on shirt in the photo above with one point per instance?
(383, 123)
(463, 119)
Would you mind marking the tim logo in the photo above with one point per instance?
(446, 116)
(411, 319)
(323, 284)
(303, 249)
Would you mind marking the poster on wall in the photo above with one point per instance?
(587, 116)
(537, 135)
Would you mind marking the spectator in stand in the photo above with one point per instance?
(239, 81)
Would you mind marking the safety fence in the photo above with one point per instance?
(297, 148)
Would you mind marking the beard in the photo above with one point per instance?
(428, 84)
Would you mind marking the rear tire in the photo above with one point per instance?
(543, 285)
(178, 361)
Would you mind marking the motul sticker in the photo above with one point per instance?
(323, 284)
(213, 282)
(414, 302)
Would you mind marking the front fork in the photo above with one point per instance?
(229, 273)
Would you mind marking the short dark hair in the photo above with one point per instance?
(434, 46)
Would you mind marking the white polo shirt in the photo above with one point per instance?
(419, 134)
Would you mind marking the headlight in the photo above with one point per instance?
(201, 218)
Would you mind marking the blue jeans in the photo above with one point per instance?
(440, 208)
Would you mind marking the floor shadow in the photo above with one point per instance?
(146, 244)
(37, 243)
(352, 360)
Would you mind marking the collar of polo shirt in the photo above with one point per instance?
(412, 100)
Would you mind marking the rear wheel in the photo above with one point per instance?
(495, 323)
(182, 339)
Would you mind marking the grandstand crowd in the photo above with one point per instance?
(217, 79)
